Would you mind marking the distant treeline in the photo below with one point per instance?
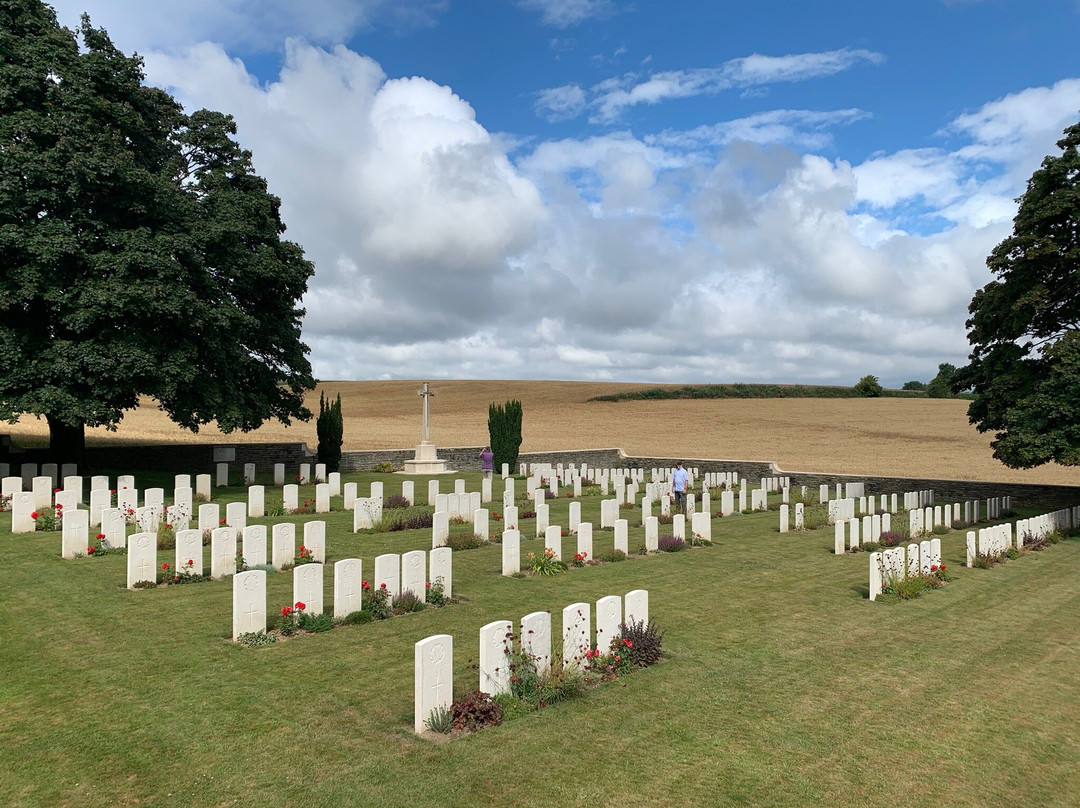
(751, 391)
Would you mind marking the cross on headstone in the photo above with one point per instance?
(437, 655)
(252, 610)
(426, 393)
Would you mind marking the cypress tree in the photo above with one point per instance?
(504, 432)
(330, 428)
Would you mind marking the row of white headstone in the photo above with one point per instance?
(433, 657)
(859, 531)
(411, 572)
(142, 552)
(991, 542)
(898, 563)
(28, 471)
(843, 491)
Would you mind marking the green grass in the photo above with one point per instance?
(783, 686)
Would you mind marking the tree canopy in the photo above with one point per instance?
(868, 387)
(1024, 327)
(941, 386)
(141, 254)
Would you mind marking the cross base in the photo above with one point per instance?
(426, 461)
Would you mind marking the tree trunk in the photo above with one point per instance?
(66, 443)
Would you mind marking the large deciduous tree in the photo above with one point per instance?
(139, 251)
(1025, 325)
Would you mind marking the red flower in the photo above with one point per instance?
(168, 526)
(382, 586)
(191, 562)
(617, 657)
(300, 605)
(57, 490)
(427, 585)
(59, 505)
(627, 643)
(164, 566)
(302, 548)
(34, 515)
(286, 611)
(365, 585)
(100, 536)
(221, 521)
(941, 567)
(90, 550)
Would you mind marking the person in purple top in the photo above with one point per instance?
(487, 461)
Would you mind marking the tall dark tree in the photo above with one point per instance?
(504, 432)
(140, 253)
(330, 427)
(1025, 325)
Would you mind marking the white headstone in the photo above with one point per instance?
(209, 516)
(408, 490)
(308, 587)
(202, 486)
(511, 552)
(608, 622)
(223, 552)
(100, 499)
(536, 639)
(414, 573)
(249, 603)
(584, 540)
(315, 539)
(652, 534)
(433, 671)
(349, 495)
(279, 474)
(333, 479)
(440, 528)
(621, 535)
(348, 586)
(221, 475)
(320, 472)
(290, 496)
(636, 607)
(553, 541)
(440, 566)
(236, 515)
(388, 574)
(256, 505)
(495, 639)
(22, 508)
(283, 542)
(322, 498)
(254, 545)
(114, 527)
(141, 559)
(189, 547)
(75, 533)
(577, 633)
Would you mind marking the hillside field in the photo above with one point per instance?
(893, 436)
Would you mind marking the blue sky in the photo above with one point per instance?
(590, 189)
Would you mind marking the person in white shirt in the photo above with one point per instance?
(680, 478)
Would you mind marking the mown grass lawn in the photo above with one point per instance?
(783, 685)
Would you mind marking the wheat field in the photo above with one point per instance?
(891, 436)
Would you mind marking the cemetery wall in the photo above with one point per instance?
(190, 457)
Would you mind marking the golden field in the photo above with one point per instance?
(891, 436)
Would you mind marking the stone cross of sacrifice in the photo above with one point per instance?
(427, 394)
